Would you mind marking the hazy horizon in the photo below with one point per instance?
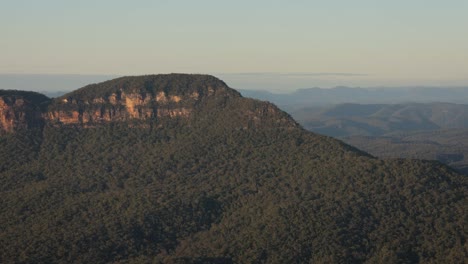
(271, 82)
(273, 45)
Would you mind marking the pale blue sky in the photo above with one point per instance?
(412, 42)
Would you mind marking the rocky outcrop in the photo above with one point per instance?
(21, 110)
(153, 97)
(117, 107)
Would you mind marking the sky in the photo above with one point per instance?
(252, 44)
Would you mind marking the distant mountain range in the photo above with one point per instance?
(323, 97)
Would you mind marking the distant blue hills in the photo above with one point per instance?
(388, 95)
(54, 85)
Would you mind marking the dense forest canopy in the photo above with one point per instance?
(237, 181)
(179, 84)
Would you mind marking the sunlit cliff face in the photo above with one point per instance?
(17, 113)
(157, 98)
(119, 107)
(7, 117)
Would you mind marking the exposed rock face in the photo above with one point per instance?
(153, 97)
(136, 98)
(20, 110)
(119, 106)
(7, 115)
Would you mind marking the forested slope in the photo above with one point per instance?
(236, 181)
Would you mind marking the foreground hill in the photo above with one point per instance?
(230, 180)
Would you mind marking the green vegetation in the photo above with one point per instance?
(34, 97)
(177, 84)
(238, 181)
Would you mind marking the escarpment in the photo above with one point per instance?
(140, 98)
(21, 110)
(151, 97)
(118, 106)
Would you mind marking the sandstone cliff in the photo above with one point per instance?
(140, 98)
(152, 97)
(118, 106)
(21, 110)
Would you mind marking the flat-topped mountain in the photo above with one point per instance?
(151, 97)
(144, 97)
(119, 173)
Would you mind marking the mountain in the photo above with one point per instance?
(183, 169)
(129, 99)
(133, 98)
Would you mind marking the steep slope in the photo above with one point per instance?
(236, 180)
(21, 110)
(140, 98)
